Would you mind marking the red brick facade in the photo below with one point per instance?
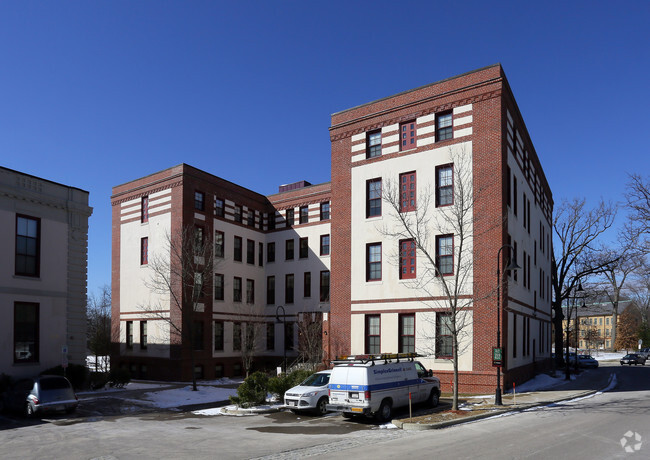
(489, 94)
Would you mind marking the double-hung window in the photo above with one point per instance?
(28, 245)
(444, 126)
(407, 135)
(270, 290)
(288, 288)
(26, 332)
(218, 286)
(303, 249)
(289, 217)
(199, 201)
(324, 245)
(325, 211)
(144, 210)
(288, 250)
(250, 217)
(218, 207)
(325, 286)
(373, 334)
(238, 249)
(250, 252)
(144, 251)
(444, 185)
(373, 262)
(270, 252)
(407, 259)
(236, 289)
(307, 284)
(408, 189)
(218, 243)
(373, 144)
(445, 254)
(218, 336)
(407, 333)
(373, 197)
(250, 291)
(444, 343)
(304, 214)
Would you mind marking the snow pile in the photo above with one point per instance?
(541, 382)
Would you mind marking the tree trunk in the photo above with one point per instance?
(614, 323)
(559, 333)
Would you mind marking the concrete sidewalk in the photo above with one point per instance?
(585, 384)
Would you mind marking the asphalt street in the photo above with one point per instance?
(588, 428)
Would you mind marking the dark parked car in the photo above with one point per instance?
(645, 352)
(632, 358)
(42, 394)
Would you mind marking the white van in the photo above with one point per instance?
(373, 385)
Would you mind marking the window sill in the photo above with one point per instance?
(27, 277)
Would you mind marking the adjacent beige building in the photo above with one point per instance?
(43, 273)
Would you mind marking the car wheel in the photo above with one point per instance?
(434, 398)
(385, 411)
(321, 407)
(29, 410)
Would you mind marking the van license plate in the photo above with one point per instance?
(356, 409)
(354, 395)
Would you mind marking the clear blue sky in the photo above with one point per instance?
(95, 94)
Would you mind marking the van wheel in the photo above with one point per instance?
(434, 398)
(321, 407)
(385, 411)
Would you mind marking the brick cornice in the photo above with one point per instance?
(398, 119)
(145, 191)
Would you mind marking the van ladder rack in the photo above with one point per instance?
(364, 359)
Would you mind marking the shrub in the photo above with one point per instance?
(280, 384)
(76, 373)
(119, 377)
(98, 380)
(253, 391)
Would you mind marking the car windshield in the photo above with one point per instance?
(585, 357)
(629, 356)
(316, 380)
(54, 384)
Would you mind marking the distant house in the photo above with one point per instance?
(43, 272)
(595, 325)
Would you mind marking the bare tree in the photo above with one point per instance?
(99, 326)
(181, 273)
(440, 272)
(618, 265)
(638, 202)
(251, 332)
(639, 292)
(574, 257)
(310, 338)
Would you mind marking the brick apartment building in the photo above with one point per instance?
(411, 139)
(279, 245)
(271, 269)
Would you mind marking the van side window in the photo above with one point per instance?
(422, 372)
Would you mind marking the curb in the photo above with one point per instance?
(408, 426)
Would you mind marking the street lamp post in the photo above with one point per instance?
(577, 294)
(512, 265)
(284, 336)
